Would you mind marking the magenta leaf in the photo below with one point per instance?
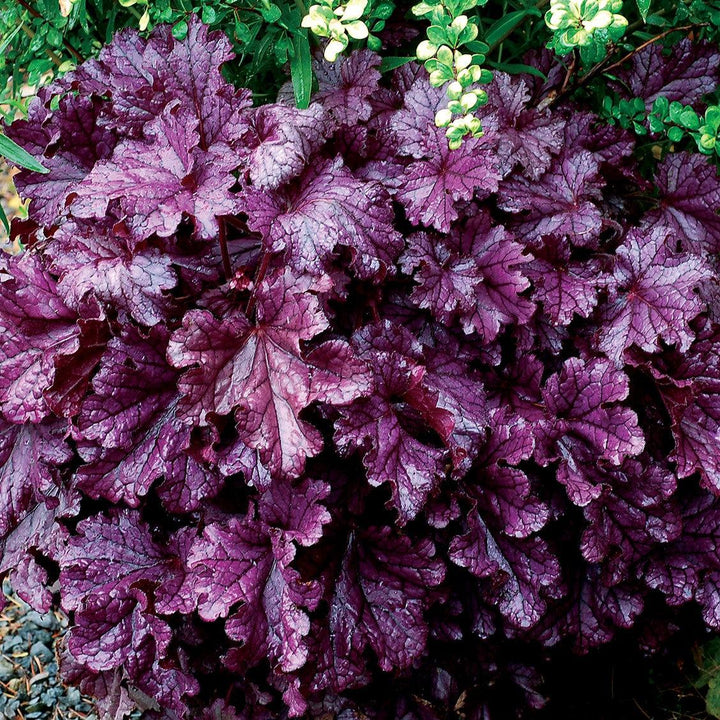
(41, 341)
(259, 371)
(157, 180)
(690, 71)
(280, 142)
(689, 190)
(562, 202)
(651, 296)
(377, 601)
(585, 424)
(326, 207)
(100, 266)
(524, 573)
(523, 135)
(377, 425)
(472, 274)
(69, 143)
(112, 558)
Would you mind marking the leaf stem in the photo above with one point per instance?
(259, 277)
(227, 268)
(602, 66)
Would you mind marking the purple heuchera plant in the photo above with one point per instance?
(294, 401)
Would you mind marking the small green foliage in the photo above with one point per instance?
(629, 114)
(707, 136)
(673, 120)
(460, 72)
(708, 662)
(588, 25)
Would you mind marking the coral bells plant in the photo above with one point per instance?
(304, 413)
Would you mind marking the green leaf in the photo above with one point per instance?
(506, 24)
(17, 156)
(438, 35)
(675, 134)
(391, 63)
(271, 14)
(643, 7)
(478, 47)
(208, 15)
(712, 699)
(689, 119)
(180, 30)
(301, 69)
(517, 68)
(4, 220)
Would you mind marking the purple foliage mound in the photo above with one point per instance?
(302, 411)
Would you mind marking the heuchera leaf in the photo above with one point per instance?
(37, 332)
(461, 394)
(327, 207)
(346, 87)
(69, 141)
(651, 295)
(690, 388)
(562, 202)
(158, 180)
(143, 76)
(114, 557)
(435, 182)
(633, 514)
(29, 459)
(592, 612)
(499, 488)
(280, 142)
(260, 372)
(472, 274)
(688, 567)
(102, 265)
(565, 287)
(377, 600)
(524, 572)
(250, 562)
(523, 136)
(376, 425)
(585, 425)
(686, 75)
(689, 190)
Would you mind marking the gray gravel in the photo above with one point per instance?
(29, 686)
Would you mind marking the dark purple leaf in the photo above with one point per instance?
(585, 425)
(523, 135)
(260, 372)
(689, 72)
(377, 425)
(98, 263)
(162, 177)
(472, 274)
(651, 295)
(380, 593)
(523, 573)
(113, 560)
(562, 202)
(689, 190)
(346, 87)
(326, 207)
(38, 335)
(280, 142)
(68, 142)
